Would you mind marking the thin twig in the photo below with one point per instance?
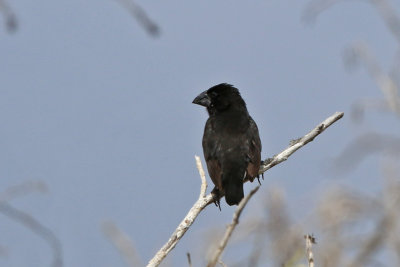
(231, 227)
(310, 239)
(205, 200)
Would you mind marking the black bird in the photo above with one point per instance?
(231, 143)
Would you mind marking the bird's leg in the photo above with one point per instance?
(262, 174)
(251, 179)
(216, 197)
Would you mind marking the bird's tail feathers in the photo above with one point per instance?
(233, 191)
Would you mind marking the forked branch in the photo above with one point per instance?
(205, 200)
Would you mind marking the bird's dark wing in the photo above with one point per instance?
(211, 144)
(254, 150)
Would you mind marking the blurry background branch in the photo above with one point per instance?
(28, 220)
(363, 146)
(23, 189)
(141, 16)
(122, 242)
(359, 54)
(9, 16)
(389, 16)
(189, 259)
(343, 212)
(137, 12)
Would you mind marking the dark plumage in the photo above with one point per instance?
(231, 143)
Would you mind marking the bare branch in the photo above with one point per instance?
(294, 146)
(200, 204)
(230, 228)
(310, 239)
(203, 187)
(122, 242)
(203, 201)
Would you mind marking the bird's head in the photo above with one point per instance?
(219, 98)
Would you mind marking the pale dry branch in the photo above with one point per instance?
(231, 227)
(202, 202)
(310, 239)
(122, 242)
(294, 146)
(203, 187)
(222, 263)
(205, 200)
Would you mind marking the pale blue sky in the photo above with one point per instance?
(101, 111)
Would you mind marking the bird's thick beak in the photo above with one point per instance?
(202, 99)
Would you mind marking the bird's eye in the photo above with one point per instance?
(214, 94)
